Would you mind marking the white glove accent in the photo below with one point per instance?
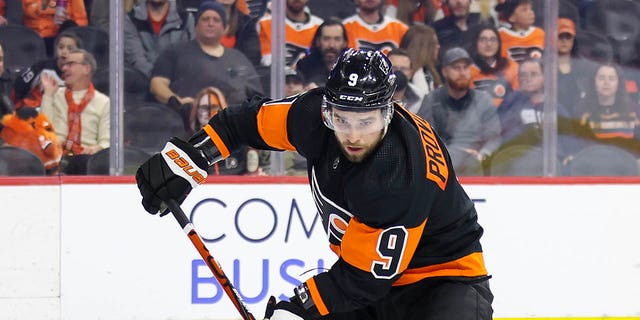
(281, 314)
(180, 163)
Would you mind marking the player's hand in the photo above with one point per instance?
(283, 310)
(170, 174)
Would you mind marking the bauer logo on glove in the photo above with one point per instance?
(179, 163)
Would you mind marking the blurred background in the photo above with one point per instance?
(93, 87)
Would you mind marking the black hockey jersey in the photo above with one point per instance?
(395, 218)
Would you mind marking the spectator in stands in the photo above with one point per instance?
(206, 104)
(326, 9)
(411, 12)
(294, 163)
(465, 118)
(573, 71)
(401, 87)
(607, 111)
(79, 113)
(520, 39)
(241, 31)
(421, 43)
(370, 29)
(38, 15)
(27, 88)
(99, 12)
(3, 19)
(521, 112)
(456, 30)
(300, 27)
(181, 70)
(328, 43)
(293, 82)
(6, 85)
(491, 72)
(407, 94)
(151, 27)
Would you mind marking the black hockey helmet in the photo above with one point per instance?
(361, 80)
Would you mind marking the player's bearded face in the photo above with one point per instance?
(358, 133)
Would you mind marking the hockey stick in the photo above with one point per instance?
(222, 278)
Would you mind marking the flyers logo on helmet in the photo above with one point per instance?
(186, 166)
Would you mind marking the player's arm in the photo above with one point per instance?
(182, 165)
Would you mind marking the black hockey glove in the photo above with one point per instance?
(170, 174)
(284, 310)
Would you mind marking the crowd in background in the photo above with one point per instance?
(472, 68)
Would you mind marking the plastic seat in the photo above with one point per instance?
(603, 160)
(22, 47)
(13, 11)
(464, 163)
(188, 5)
(96, 41)
(594, 46)
(98, 163)
(132, 105)
(517, 160)
(613, 17)
(136, 84)
(150, 127)
(618, 21)
(19, 162)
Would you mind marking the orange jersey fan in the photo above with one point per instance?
(520, 45)
(497, 85)
(298, 38)
(383, 36)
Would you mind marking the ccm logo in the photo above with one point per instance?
(186, 166)
(351, 98)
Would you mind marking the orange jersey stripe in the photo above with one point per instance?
(272, 125)
(335, 248)
(224, 151)
(384, 252)
(315, 296)
(611, 135)
(471, 265)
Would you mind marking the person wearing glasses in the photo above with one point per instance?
(79, 113)
(27, 88)
(490, 71)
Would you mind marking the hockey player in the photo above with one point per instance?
(405, 231)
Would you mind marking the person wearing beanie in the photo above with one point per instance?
(212, 5)
(520, 39)
(182, 70)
